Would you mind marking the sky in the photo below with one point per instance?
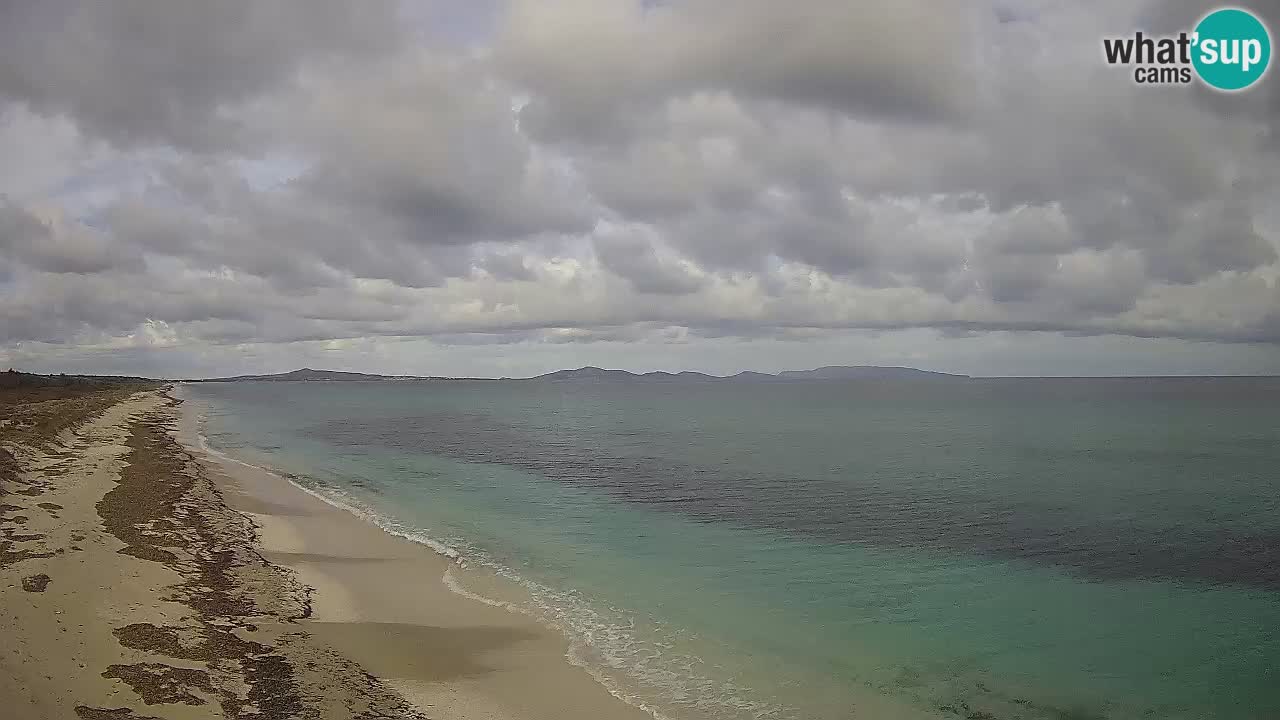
(492, 188)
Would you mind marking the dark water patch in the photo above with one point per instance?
(942, 515)
(1159, 485)
(984, 703)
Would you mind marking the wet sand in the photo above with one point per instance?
(381, 600)
(142, 579)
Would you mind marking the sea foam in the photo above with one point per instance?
(604, 646)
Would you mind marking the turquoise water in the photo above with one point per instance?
(983, 549)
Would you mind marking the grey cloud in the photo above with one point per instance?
(589, 63)
(1034, 230)
(183, 234)
(39, 152)
(428, 148)
(291, 240)
(56, 245)
(639, 332)
(658, 178)
(505, 265)
(1213, 239)
(1087, 162)
(1015, 277)
(165, 72)
(634, 257)
(611, 172)
(1099, 284)
(1262, 102)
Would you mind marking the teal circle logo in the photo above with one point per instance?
(1232, 49)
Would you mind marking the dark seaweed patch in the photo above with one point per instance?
(157, 683)
(35, 583)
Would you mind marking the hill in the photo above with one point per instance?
(304, 375)
(830, 372)
(596, 374)
(863, 372)
(586, 373)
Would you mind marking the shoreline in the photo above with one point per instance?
(391, 604)
(130, 591)
(142, 578)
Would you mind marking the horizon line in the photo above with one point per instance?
(248, 377)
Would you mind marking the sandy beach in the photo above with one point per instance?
(142, 578)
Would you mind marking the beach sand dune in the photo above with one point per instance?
(141, 578)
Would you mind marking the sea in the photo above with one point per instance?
(985, 549)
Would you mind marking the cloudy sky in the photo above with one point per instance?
(504, 188)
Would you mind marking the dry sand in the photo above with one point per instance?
(381, 600)
(141, 578)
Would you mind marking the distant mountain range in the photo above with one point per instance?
(859, 372)
(829, 372)
(309, 375)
